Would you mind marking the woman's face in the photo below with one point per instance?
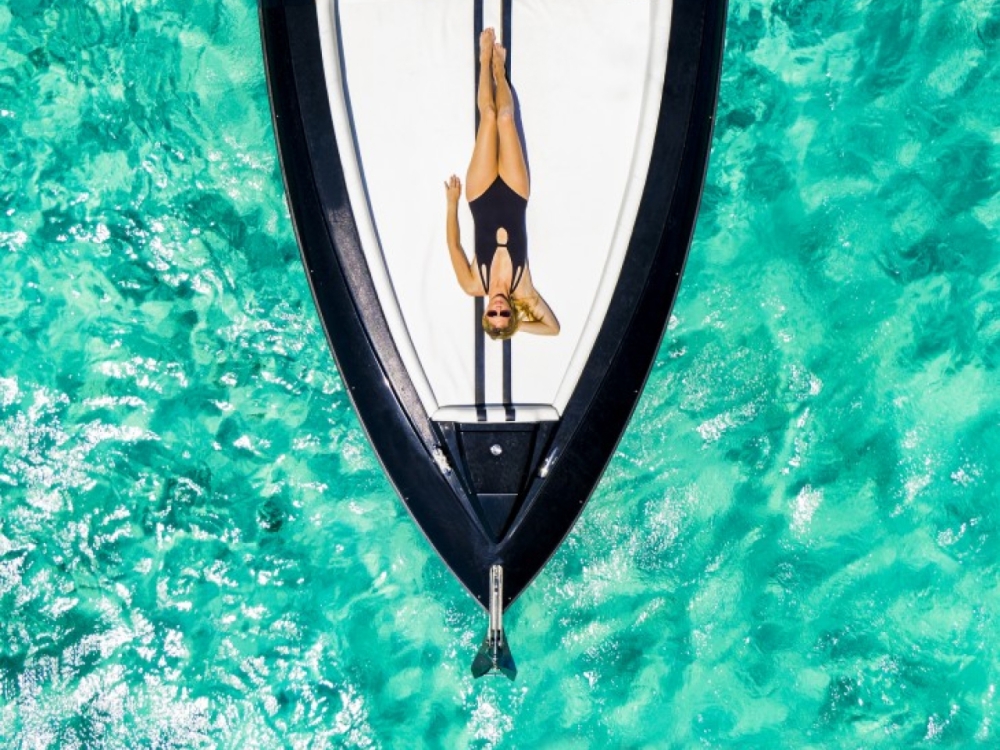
(498, 311)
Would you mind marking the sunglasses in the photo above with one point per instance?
(502, 314)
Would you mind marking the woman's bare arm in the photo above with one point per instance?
(545, 322)
(467, 279)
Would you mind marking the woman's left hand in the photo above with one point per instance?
(453, 188)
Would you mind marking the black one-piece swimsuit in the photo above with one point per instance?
(500, 208)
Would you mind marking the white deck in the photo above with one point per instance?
(588, 77)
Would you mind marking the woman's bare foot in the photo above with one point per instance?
(487, 38)
(499, 61)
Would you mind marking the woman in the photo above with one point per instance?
(497, 189)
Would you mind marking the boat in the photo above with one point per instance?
(494, 447)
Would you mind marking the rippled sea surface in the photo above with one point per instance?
(796, 545)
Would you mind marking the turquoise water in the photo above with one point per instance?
(796, 544)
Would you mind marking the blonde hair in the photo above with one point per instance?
(519, 312)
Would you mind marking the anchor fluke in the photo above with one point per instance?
(494, 655)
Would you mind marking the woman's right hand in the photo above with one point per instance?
(453, 189)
